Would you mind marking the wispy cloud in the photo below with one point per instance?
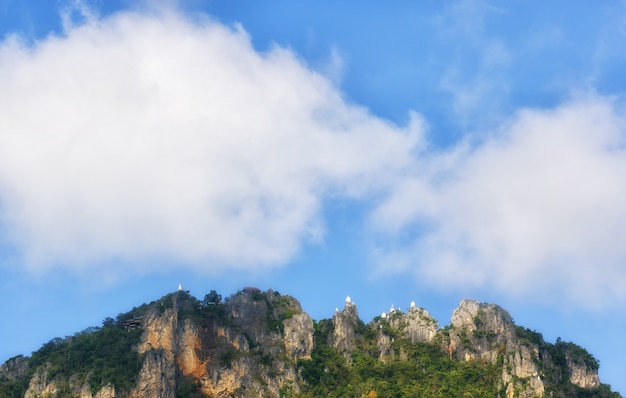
(143, 137)
(476, 75)
(76, 12)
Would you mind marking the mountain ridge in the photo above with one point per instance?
(263, 344)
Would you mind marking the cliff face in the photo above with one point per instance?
(415, 326)
(247, 346)
(157, 377)
(232, 351)
(345, 321)
(487, 332)
(14, 368)
(478, 332)
(261, 344)
(42, 386)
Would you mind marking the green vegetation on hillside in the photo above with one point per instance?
(422, 370)
(108, 354)
(101, 355)
(97, 355)
(13, 388)
(556, 377)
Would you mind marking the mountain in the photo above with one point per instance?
(262, 344)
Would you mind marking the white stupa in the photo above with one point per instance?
(348, 300)
(412, 304)
(180, 287)
(383, 315)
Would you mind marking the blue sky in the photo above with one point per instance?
(428, 151)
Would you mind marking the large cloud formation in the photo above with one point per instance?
(153, 138)
(150, 136)
(537, 207)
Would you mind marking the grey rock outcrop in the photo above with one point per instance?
(42, 386)
(582, 376)
(344, 322)
(157, 377)
(486, 332)
(298, 336)
(417, 325)
(107, 391)
(14, 368)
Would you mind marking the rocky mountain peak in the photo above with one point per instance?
(14, 368)
(490, 318)
(416, 325)
(487, 332)
(262, 344)
(344, 323)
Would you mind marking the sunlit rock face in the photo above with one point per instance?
(581, 374)
(251, 349)
(298, 336)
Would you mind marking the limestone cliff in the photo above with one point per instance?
(42, 386)
(345, 321)
(298, 336)
(14, 368)
(486, 332)
(231, 350)
(415, 326)
(247, 346)
(478, 332)
(261, 344)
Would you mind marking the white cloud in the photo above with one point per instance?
(536, 209)
(149, 138)
(143, 137)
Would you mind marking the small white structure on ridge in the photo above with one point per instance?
(336, 309)
(412, 304)
(180, 287)
(383, 315)
(391, 309)
(348, 300)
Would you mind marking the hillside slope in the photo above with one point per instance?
(262, 344)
